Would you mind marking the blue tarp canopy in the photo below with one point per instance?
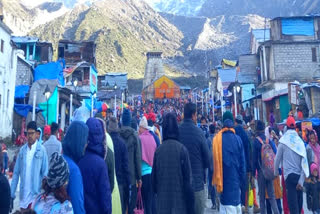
(21, 91)
(24, 109)
(51, 71)
(315, 121)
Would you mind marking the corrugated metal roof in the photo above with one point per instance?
(24, 39)
(120, 79)
(261, 35)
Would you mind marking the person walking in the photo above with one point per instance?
(148, 148)
(263, 182)
(229, 166)
(31, 166)
(211, 188)
(312, 185)
(192, 137)
(171, 173)
(73, 146)
(4, 190)
(292, 154)
(133, 144)
(54, 199)
(121, 162)
(53, 144)
(96, 185)
(247, 148)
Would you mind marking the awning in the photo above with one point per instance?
(21, 91)
(23, 109)
(270, 95)
(252, 98)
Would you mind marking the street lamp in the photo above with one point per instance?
(47, 94)
(238, 88)
(115, 86)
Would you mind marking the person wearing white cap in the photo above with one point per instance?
(148, 148)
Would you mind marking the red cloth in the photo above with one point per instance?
(47, 130)
(291, 122)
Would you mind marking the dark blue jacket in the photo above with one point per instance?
(257, 152)
(96, 186)
(192, 137)
(156, 138)
(234, 167)
(121, 159)
(246, 145)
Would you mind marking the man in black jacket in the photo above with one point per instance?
(193, 139)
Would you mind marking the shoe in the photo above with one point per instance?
(256, 210)
(214, 207)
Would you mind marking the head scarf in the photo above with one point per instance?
(81, 114)
(58, 173)
(315, 148)
(97, 136)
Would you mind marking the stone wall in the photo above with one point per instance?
(24, 73)
(294, 61)
(154, 70)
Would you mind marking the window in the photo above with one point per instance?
(8, 98)
(314, 54)
(2, 46)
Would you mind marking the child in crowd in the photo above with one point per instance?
(312, 185)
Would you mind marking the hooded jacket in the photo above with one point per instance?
(97, 192)
(133, 144)
(73, 148)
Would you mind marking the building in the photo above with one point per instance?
(113, 84)
(292, 54)
(35, 51)
(24, 74)
(78, 59)
(257, 37)
(8, 66)
(154, 68)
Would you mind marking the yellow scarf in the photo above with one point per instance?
(217, 178)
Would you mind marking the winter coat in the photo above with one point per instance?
(97, 192)
(156, 138)
(312, 190)
(75, 186)
(4, 195)
(234, 167)
(246, 145)
(193, 139)
(209, 143)
(171, 173)
(121, 159)
(133, 144)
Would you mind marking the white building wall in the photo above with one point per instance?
(8, 66)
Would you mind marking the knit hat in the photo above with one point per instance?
(313, 167)
(143, 123)
(227, 116)
(47, 130)
(58, 173)
(113, 125)
(291, 123)
(260, 126)
(126, 117)
(239, 117)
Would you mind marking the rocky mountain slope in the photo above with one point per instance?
(22, 19)
(123, 31)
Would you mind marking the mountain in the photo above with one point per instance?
(178, 7)
(265, 8)
(22, 19)
(124, 30)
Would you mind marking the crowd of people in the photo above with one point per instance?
(163, 158)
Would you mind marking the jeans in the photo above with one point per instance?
(316, 212)
(211, 189)
(132, 199)
(263, 186)
(124, 197)
(269, 210)
(147, 194)
(295, 199)
(199, 202)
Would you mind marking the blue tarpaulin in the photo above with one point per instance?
(49, 71)
(23, 109)
(21, 91)
(298, 26)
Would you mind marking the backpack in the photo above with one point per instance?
(267, 160)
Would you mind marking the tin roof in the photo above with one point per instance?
(24, 39)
